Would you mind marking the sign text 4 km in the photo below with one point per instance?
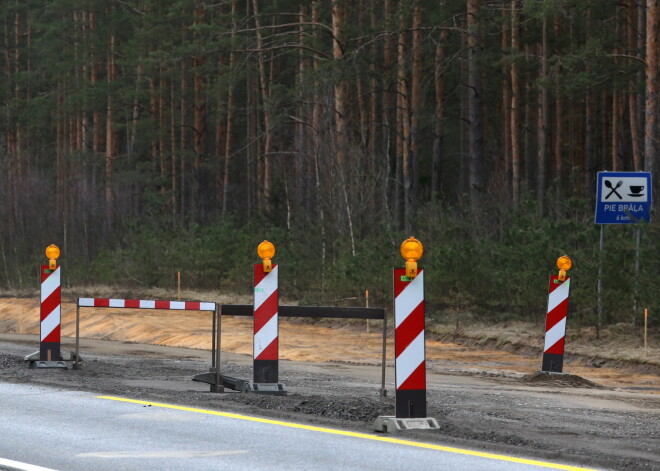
(623, 197)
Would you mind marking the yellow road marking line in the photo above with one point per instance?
(365, 436)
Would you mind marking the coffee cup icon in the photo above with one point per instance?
(636, 190)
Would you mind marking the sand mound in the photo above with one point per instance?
(560, 379)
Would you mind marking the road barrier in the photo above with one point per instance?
(410, 358)
(150, 304)
(266, 313)
(317, 312)
(266, 326)
(50, 354)
(555, 320)
(409, 346)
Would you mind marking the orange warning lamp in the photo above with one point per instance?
(52, 253)
(411, 251)
(564, 264)
(266, 251)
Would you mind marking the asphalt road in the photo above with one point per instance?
(71, 430)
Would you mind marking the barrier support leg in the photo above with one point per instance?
(217, 387)
(75, 363)
(383, 391)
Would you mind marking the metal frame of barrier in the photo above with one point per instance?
(149, 304)
(318, 312)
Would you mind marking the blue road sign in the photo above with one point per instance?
(623, 197)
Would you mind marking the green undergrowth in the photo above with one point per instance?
(491, 265)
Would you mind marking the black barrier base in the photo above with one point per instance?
(49, 351)
(410, 403)
(265, 371)
(552, 362)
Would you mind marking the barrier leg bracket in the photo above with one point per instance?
(391, 424)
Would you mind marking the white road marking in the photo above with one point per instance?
(22, 466)
(159, 454)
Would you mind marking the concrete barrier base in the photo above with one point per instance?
(391, 424)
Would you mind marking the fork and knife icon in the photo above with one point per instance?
(608, 184)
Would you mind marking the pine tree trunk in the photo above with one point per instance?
(403, 125)
(374, 93)
(183, 141)
(265, 158)
(439, 121)
(633, 110)
(505, 162)
(475, 106)
(542, 128)
(388, 112)
(416, 111)
(199, 122)
(559, 115)
(589, 123)
(516, 146)
(230, 114)
(340, 86)
(94, 79)
(652, 86)
(110, 145)
(616, 120)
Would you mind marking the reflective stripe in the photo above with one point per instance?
(411, 297)
(50, 284)
(410, 359)
(265, 288)
(86, 302)
(265, 336)
(558, 295)
(145, 304)
(555, 334)
(50, 323)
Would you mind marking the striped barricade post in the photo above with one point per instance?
(50, 353)
(409, 351)
(266, 304)
(555, 319)
(555, 325)
(51, 320)
(409, 346)
(266, 326)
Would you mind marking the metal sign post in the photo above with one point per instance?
(621, 198)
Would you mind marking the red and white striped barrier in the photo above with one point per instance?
(555, 325)
(266, 306)
(410, 357)
(146, 304)
(51, 300)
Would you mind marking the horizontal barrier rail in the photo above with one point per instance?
(146, 304)
(309, 311)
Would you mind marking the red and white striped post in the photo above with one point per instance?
(266, 324)
(410, 358)
(555, 320)
(51, 300)
(409, 345)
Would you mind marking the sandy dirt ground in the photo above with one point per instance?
(604, 414)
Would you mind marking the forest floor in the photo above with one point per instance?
(483, 382)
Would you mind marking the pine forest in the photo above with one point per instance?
(146, 138)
